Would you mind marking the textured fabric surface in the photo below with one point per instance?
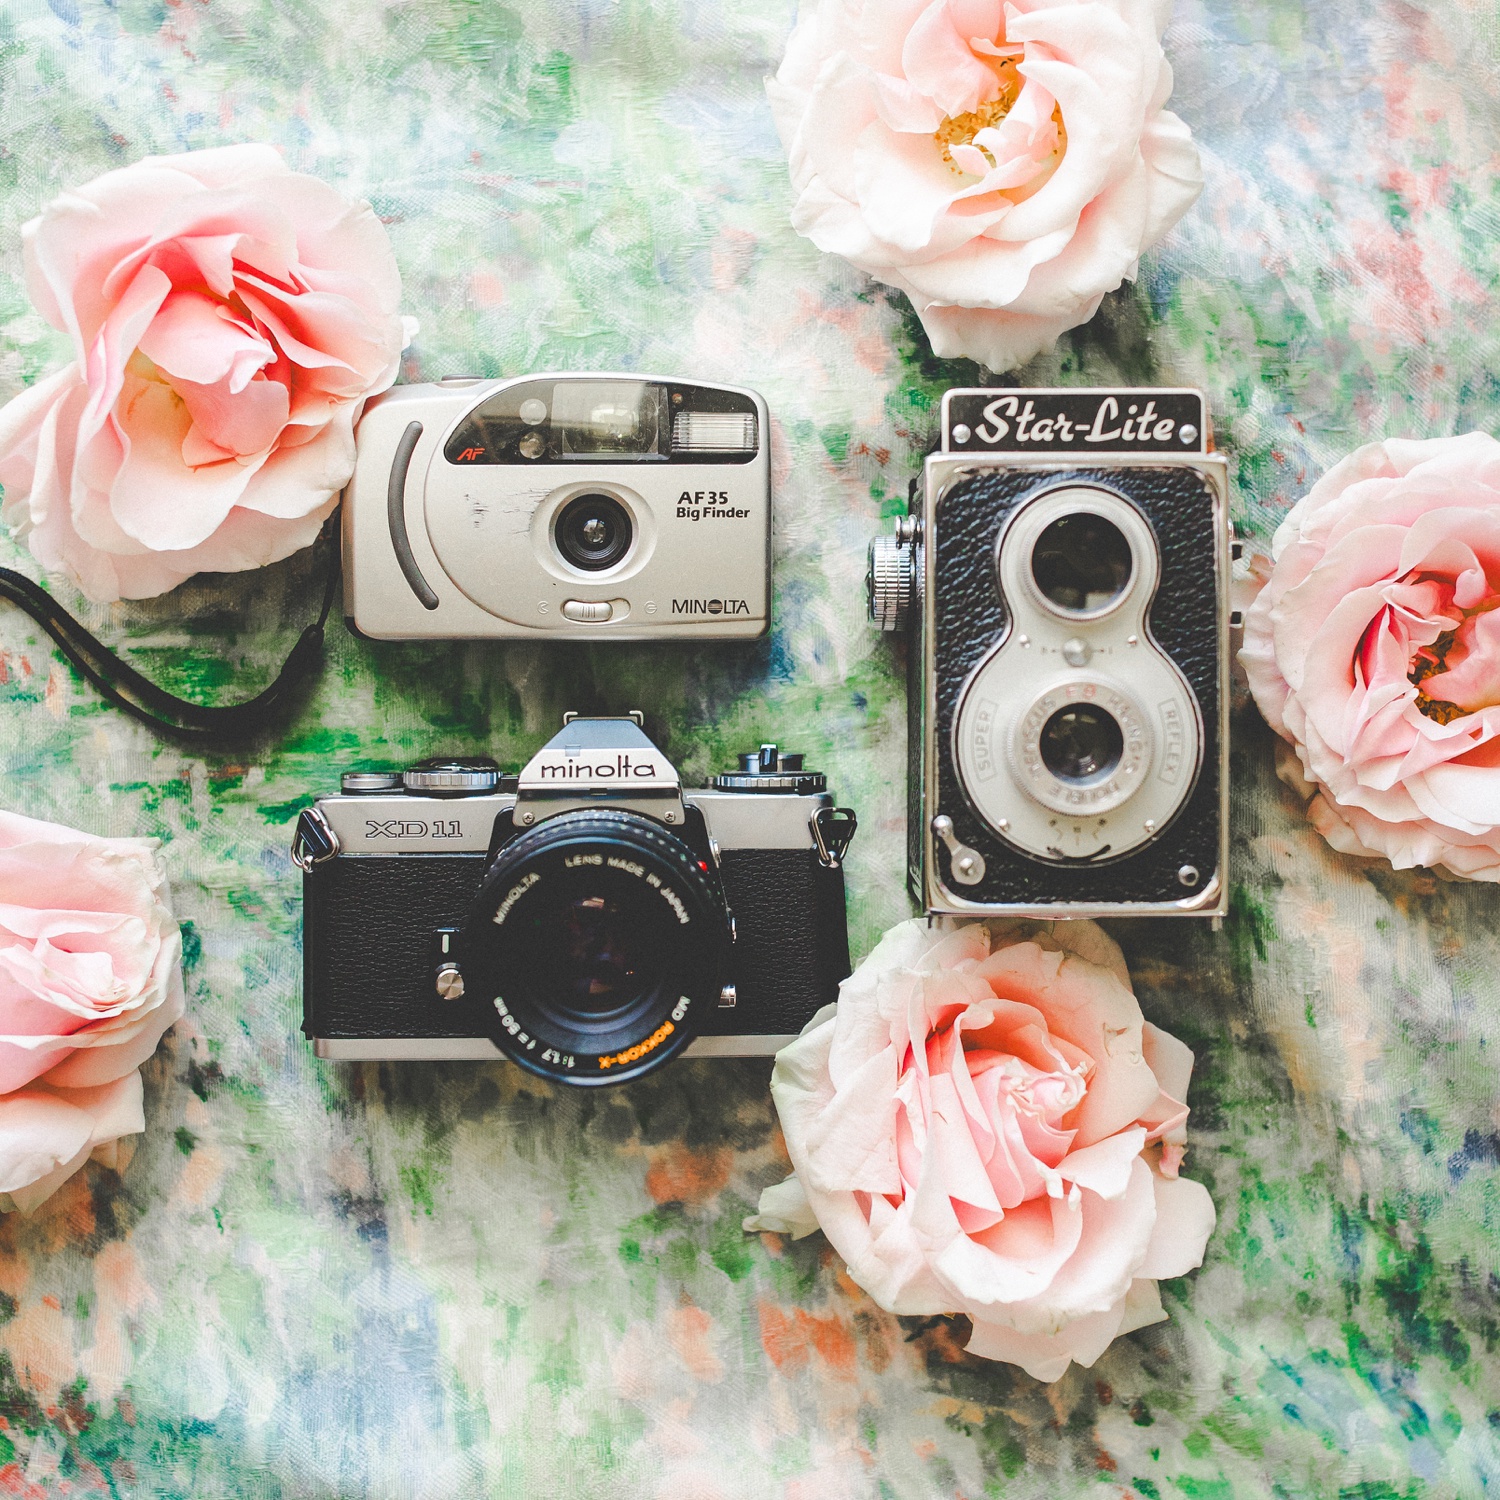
(433, 1281)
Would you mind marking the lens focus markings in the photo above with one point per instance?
(542, 1024)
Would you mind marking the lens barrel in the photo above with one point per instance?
(593, 532)
(596, 943)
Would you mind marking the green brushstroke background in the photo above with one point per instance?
(434, 1281)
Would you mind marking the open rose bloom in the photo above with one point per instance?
(228, 319)
(984, 1124)
(1003, 164)
(1374, 648)
(90, 978)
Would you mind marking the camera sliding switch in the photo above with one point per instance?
(588, 611)
(891, 582)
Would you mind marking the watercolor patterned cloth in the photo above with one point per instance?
(433, 1281)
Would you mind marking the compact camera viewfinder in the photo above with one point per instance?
(584, 506)
(1068, 567)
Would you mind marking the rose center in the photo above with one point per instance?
(961, 130)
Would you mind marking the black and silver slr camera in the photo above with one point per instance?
(588, 918)
(586, 507)
(1067, 572)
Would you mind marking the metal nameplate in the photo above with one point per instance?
(1072, 420)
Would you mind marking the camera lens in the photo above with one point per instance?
(1081, 562)
(596, 945)
(1081, 743)
(593, 532)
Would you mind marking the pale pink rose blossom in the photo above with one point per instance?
(1374, 649)
(90, 978)
(985, 1124)
(1002, 164)
(228, 319)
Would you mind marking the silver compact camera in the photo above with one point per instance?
(589, 918)
(1067, 570)
(589, 507)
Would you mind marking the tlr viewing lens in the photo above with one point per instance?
(1081, 743)
(1081, 562)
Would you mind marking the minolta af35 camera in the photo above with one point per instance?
(1066, 569)
(587, 507)
(588, 919)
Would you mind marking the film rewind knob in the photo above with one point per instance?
(891, 581)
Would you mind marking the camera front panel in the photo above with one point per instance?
(1080, 845)
(582, 506)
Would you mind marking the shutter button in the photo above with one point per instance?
(587, 611)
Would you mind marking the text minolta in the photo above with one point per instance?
(621, 768)
(710, 607)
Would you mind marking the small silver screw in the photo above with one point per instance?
(1131, 640)
(961, 433)
(527, 817)
(1003, 824)
(1023, 640)
(1150, 825)
(450, 983)
(1188, 875)
(670, 817)
(1187, 432)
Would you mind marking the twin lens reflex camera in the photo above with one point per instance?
(1066, 572)
(588, 918)
(588, 507)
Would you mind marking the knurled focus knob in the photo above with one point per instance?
(891, 581)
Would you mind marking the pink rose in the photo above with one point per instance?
(1374, 648)
(985, 1124)
(1004, 165)
(228, 319)
(90, 978)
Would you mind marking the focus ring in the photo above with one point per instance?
(595, 944)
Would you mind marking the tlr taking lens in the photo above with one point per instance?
(1081, 562)
(1081, 743)
(593, 532)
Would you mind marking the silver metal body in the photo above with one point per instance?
(439, 549)
(1041, 659)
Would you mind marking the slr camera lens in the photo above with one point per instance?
(1081, 743)
(596, 943)
(1081, 562)
(593, 532)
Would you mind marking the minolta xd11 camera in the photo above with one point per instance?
(1068, 571)
(586, 506)
(588, 918)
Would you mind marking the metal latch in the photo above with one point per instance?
(314, 841)
(833, 831)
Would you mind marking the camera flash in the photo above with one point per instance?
(713, 432)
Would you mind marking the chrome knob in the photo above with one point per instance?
(892, 579)
(450, 982)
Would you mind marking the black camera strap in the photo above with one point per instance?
(120, 684)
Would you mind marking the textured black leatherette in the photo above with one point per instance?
(370, 958)
(793, 943)
(970, 618)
